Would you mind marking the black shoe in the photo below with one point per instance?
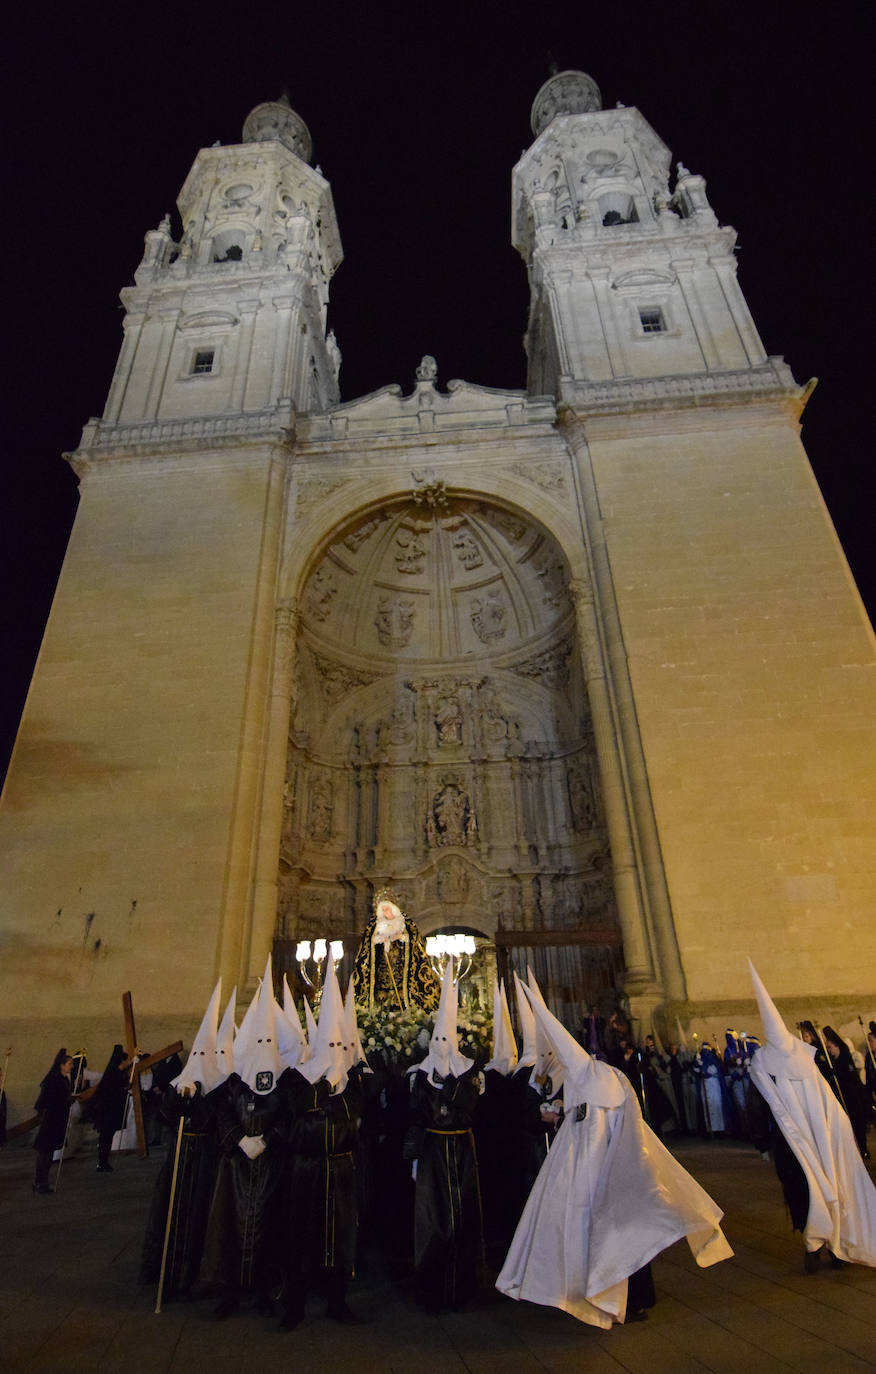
(42, 1188)
(640, 1315)
(226, 1307)
(837, 1263)
(340, 1312)
(812, 1261)
(105, 1169)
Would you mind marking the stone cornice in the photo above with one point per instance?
(102, 440)
(773, 380)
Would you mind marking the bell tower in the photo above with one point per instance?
(232, 319)
(630, 275)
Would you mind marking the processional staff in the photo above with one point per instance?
(170, 1202)
(824, 1051)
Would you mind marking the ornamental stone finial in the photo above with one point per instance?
(428, 369)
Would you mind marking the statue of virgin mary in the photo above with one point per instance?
(392, 968)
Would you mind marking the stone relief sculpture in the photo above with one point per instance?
(451, 819)
(553, 580)
(319, 818)
(428, 369)
(394, 621)
(454, 880)
(321, 591)
(411, 552)
(580, 800)
(487, 617)
(357, 538)
(467, 550)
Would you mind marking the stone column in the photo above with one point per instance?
(246, 328)
(280, 707)
(686, 270)
(637, 954)
(133, 327)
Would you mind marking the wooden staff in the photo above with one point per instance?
(179, 1136)
(9, 1051)
(77, 1083)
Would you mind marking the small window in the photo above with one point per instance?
(652, 321)
(203, 361)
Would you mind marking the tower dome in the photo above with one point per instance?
(562, 94)
(275, 119)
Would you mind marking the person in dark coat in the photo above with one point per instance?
(192, 1099)
(849, 1088)
(53, 1105)
(448, 1238)
(105, 1109)
(242, 1246)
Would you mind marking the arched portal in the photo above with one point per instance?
(441, 742)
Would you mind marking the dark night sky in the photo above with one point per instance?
(417, 114)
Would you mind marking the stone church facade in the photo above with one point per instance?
(580, 668)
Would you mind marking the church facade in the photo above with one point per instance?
(580, 668)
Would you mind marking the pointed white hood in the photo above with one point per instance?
(547, 1062)
(290, 1036)
(585, 1079)
(329, 1052)
(256, 1057)
(201, 1066)
(353, 1038)
(225, 1039)
(444, 1056)
(527, 1027)
(311, 1028)
(504, 1058)
(783, 1055)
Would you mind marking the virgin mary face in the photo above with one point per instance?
(390, 921)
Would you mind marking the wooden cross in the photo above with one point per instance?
(138, 1067)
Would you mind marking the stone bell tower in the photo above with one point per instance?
(128, 833)
(737, 655)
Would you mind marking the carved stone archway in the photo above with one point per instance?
(441, 739)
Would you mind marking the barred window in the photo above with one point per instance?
(203, 361)
(652, 321)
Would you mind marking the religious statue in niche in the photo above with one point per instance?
(391, 966)
(487, 617)
(448, 721)
(319, 818)
(451, 818)
(394, 621)
(580, 800)
(467, 550)
(496, 725)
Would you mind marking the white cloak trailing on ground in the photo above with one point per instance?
(842, 1198)
(608, 1198)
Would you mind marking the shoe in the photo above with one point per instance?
(42, 1188)
(837, 1263)
(812, 1261)
(105, 1169)
(340, 1312)
(640, 1315)
(226, 1307)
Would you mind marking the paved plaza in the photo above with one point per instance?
(69, 1300)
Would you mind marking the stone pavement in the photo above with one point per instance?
(69, 1300)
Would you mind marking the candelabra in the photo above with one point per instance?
(316, 954)
(439, 949)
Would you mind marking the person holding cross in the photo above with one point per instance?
(105, 1110)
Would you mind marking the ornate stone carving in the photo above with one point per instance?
(550, 667)
(503, 521)
(580, 800)
(488, 615)
(448, 721)
(411, 554)
(357, 538)
(394, 621)
(312, 489)
(319, 815)
(467, 550)
(552, 574)
(321, 591)
(454, 880)
(451, 818)
(401, 729)
(549, 476)
(429, 490)
(428, 369)
(338, 680)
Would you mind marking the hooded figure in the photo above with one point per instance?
(492, 1129)
(241, 1252)
(190, 1098)
(529, 1128)
(106, 1107)
(290, 1037)
(609, 1198)
(839, 1199)
(447, 1214)
(53, 1106)
(321, 1207)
